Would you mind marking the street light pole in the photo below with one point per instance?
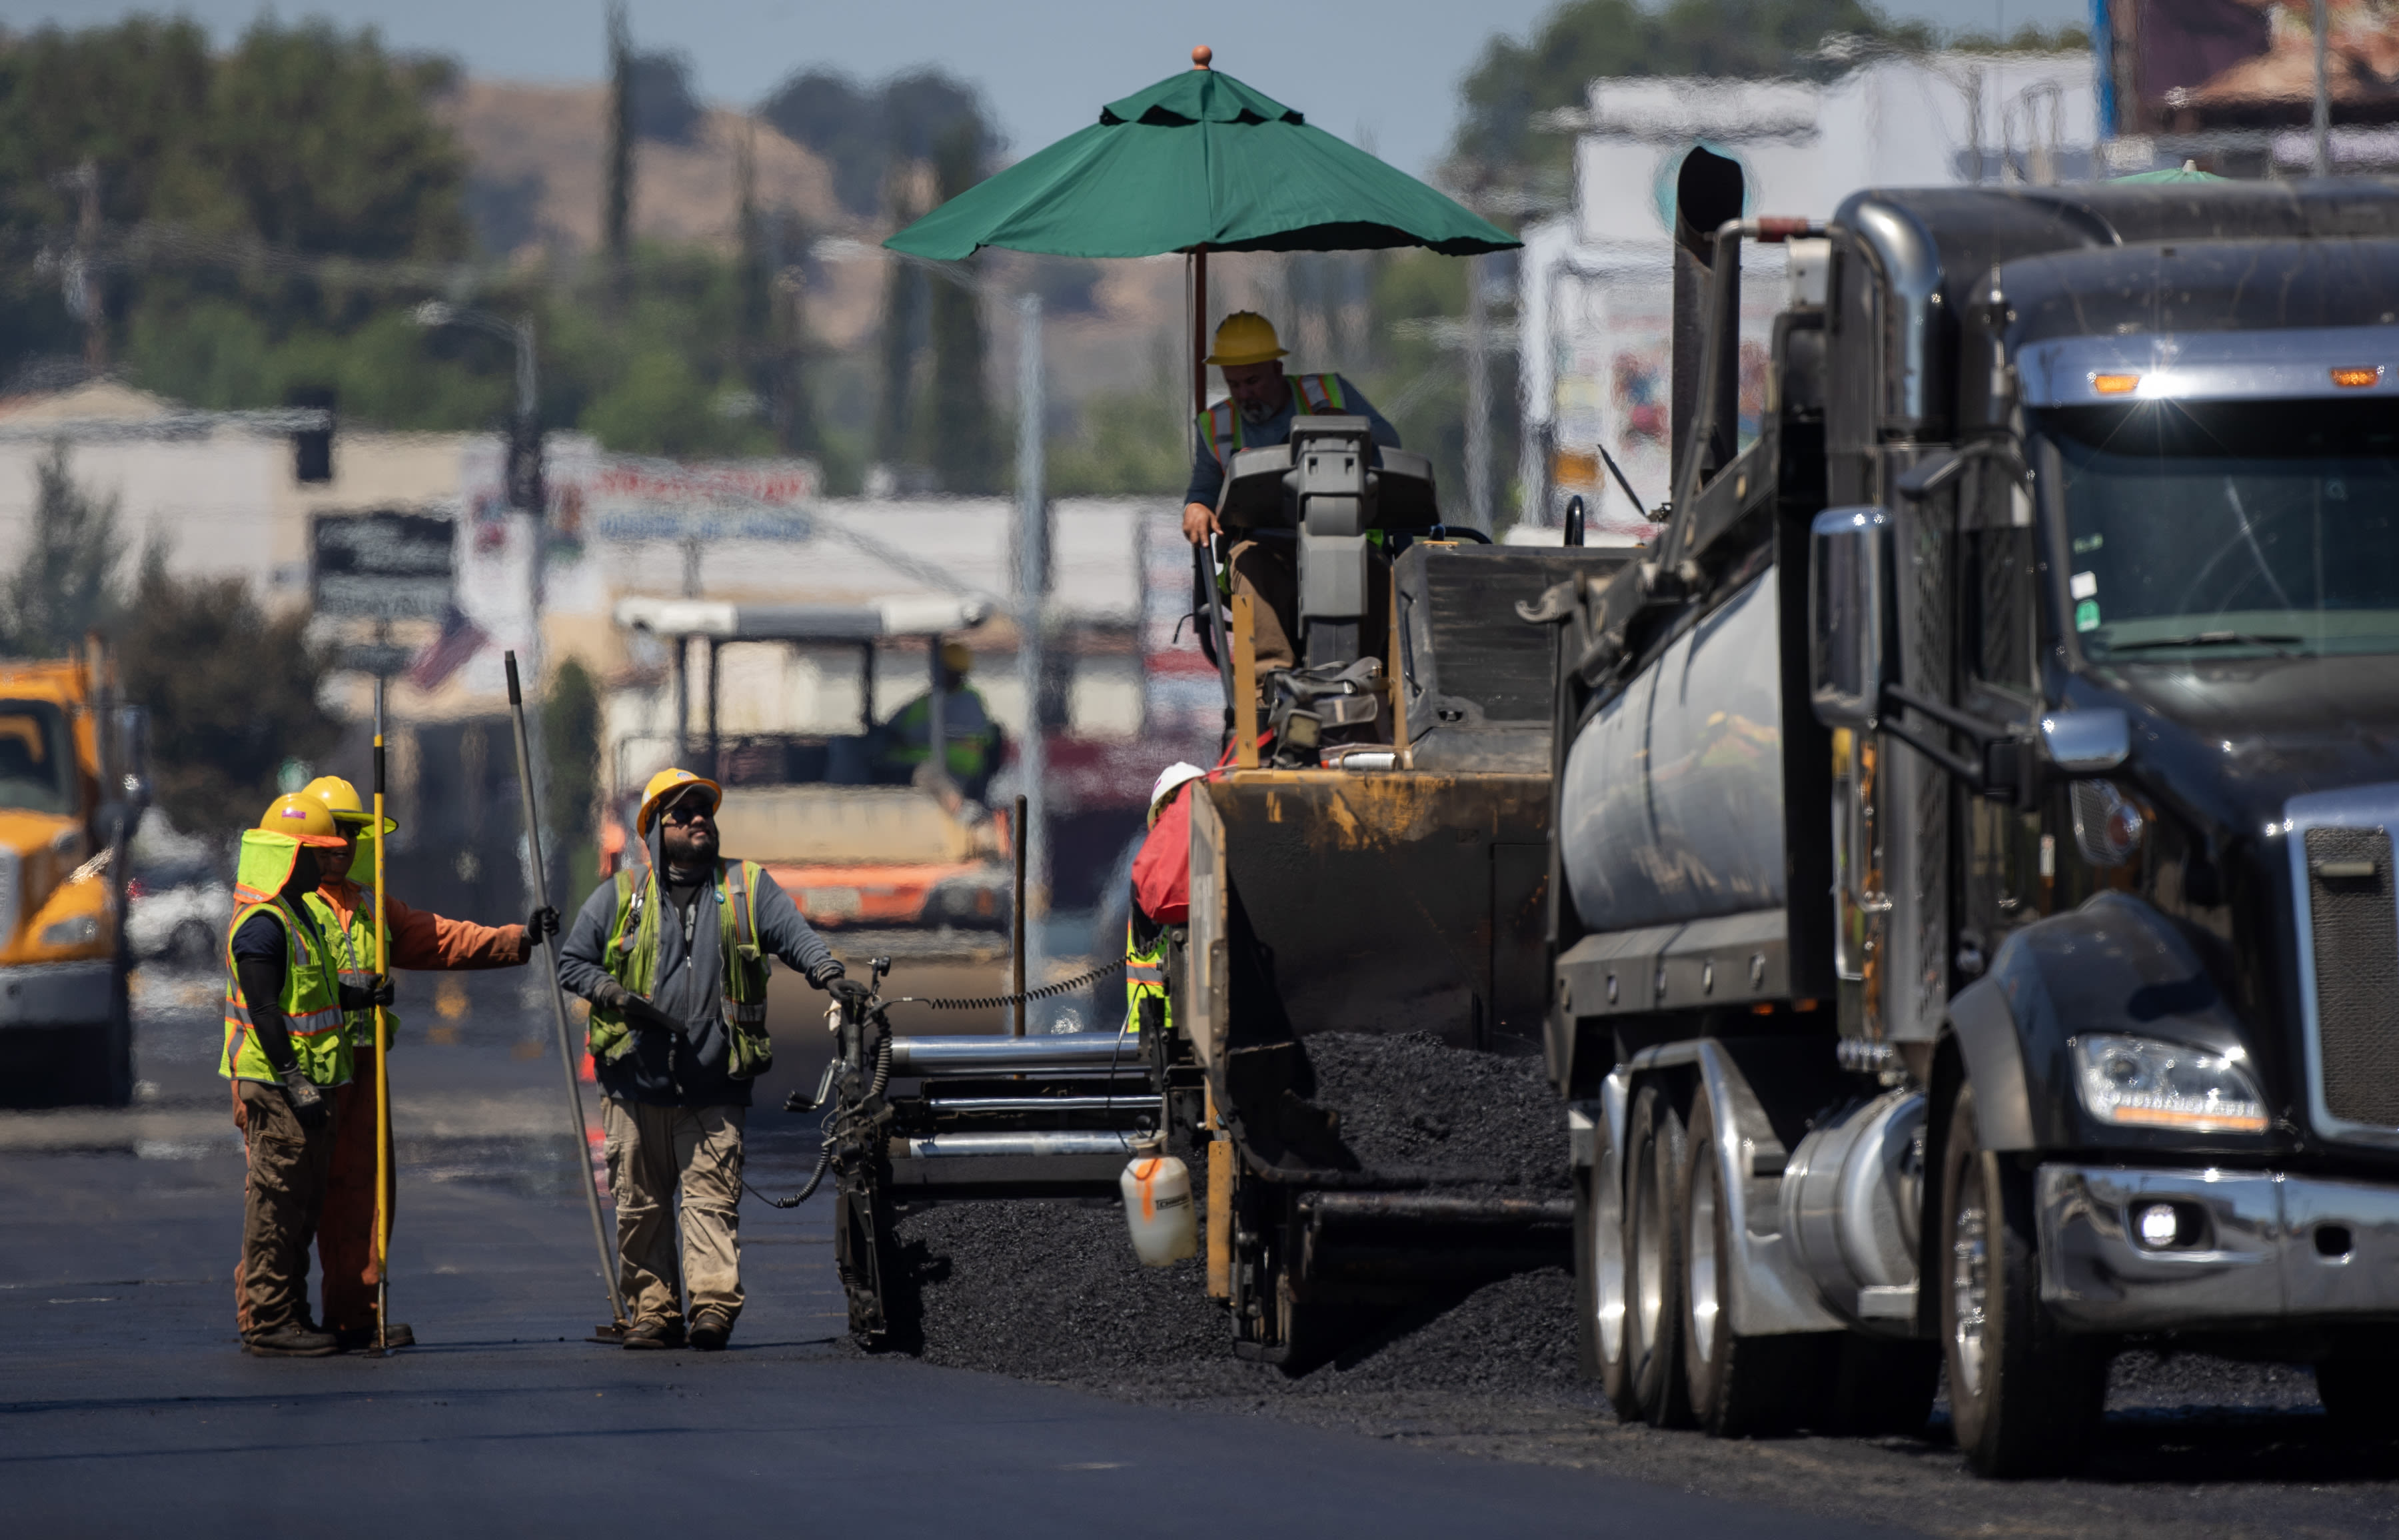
(1032, 581)
(525, 431)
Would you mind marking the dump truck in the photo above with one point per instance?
(1375, 867)
(72, 784)
(1973, 928)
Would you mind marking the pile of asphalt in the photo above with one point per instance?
(1410, 1102)
(1053, 1292)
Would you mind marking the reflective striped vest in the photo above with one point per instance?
(311, 1006)
(632, 960)
(354, 955)
(1220, 425)
(1146, 980)
(968, 734)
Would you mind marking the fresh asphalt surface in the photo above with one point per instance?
(127, 1408)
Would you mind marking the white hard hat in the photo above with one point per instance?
(1169, 778)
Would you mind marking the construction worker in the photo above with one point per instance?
(673, 960)
(1260, 402)
(973, 742)
(1161, 898)
(343, 908)
(287, 1055)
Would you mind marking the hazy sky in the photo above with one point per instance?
(1384, 73)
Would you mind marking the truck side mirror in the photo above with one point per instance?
(2087, 743)
(1852, 615)
(131, 759)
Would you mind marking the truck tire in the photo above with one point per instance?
(2354, 1385)
(2025, 1398)
(97, 1061)
(1739, 1385)
(1601, 1283)
(1653, 1315)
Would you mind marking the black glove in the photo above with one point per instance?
(540, 926)
(849, 992)
(309, 1104)
(360, 997)
(612, 995)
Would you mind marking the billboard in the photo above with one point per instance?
(2186, 66)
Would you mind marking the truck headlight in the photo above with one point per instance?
(73, 931)
(2142, 1082)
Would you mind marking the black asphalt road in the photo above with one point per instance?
(127, 1408)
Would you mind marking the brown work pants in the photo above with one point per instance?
(345, 1239)
(1268, 572)
(654, 1153)
(281, 1204)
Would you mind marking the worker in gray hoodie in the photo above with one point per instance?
(673, 960)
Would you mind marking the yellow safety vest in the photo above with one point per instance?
(1146, 980)
(312, 999)
(354, 961)
(912, 739)
(1220, 425)
(632, 960)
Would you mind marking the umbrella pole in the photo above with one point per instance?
(1199, 333)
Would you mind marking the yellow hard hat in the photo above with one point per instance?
(956, 657)
(343, 799)
(302, 819)
(665, 787)
(1246, 337)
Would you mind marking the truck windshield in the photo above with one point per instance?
(2230, 529)
(36, 761)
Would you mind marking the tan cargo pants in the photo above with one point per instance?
(281, 1204)
(653, 1153)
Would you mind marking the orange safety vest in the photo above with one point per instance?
(1220, 425)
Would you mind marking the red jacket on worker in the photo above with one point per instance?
(1162, 872)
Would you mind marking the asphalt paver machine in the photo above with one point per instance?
(1375, 862)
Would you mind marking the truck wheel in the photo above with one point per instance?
(1654, 1306)
(1739, 1385)
(2025, 1398)
(2355, 1384)
(1600, 1284)
(192, 946)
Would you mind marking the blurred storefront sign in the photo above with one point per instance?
(383, 565)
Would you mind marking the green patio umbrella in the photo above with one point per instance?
(1198, 163)
(2188, 171)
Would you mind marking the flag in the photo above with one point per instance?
(445, 654)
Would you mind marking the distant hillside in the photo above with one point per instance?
(538, 155)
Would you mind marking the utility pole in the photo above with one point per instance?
(85, 299)
(616, 217)
(1032, 581)
(1478, 399)
(2323, 123)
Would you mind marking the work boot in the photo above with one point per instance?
(297, 1339)
(654, 1335)
(356, 1339)
(708, 1331)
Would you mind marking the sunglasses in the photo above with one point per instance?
(687, 812)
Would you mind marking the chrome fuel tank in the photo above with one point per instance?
(1672, 804)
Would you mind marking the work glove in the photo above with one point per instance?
(851, 993)
(360, 997)
(311, 1106)
(614, 996)
(540, 926)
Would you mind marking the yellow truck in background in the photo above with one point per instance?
(72, 785)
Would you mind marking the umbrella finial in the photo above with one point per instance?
(1201, 55)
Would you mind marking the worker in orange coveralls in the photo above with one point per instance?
(417, 940)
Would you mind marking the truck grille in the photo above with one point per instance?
(2356, 932)
(12, 895)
